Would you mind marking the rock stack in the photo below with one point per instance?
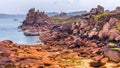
(36, 18)
(34, 21)
(97, 10)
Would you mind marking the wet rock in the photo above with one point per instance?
(31, 33)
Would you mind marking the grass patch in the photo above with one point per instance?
(66, 20)
(10, 66)
(116, 49)
(100, 15)
(116, 26)
(73, 61)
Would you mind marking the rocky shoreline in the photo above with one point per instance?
(14, 55)
(94, 35)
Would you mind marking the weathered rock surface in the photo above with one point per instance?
(35, 21)
(111, 54)
(97, 10)
(88, 36)
(25, 56)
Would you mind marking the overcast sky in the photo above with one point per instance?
(22, 6)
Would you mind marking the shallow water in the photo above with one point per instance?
(9, 31)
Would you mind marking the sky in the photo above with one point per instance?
(22, 6)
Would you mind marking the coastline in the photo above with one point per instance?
(90, 40)
(42, 56)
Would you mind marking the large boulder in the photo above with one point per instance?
(105, 31)
(111, 54)
(93, 11)
(100, 9)
(118, 8)
(117, 38)
(113, 34)
(112, 21)
(97, 10)
(36, 18)
(92, 33)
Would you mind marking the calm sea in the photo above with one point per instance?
(9, 31)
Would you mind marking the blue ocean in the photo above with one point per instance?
(9, 31)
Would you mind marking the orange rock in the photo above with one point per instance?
(98, 57)
(104, 60)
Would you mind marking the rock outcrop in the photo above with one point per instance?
(36, 18)
(34, 21)
(88, 36)
(97, 10)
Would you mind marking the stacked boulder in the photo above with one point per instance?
(97, 10)
(35, 21)
(87, 36)
(108, 28)
(36, 18)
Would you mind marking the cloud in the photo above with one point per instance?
(21, 6)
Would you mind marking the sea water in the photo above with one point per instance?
(9, 31)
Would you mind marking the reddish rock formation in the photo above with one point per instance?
(111, 54)
(118, 9)
(88, 36)
(36, 18)
(34, 21)
(97, 10)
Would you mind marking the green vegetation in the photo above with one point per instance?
(66, 20)
(74, 61)
(99, 15)
(57, 19)
(116, 30)
(117, 27)
(112, 44)
(116, 49)
(10, 66)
